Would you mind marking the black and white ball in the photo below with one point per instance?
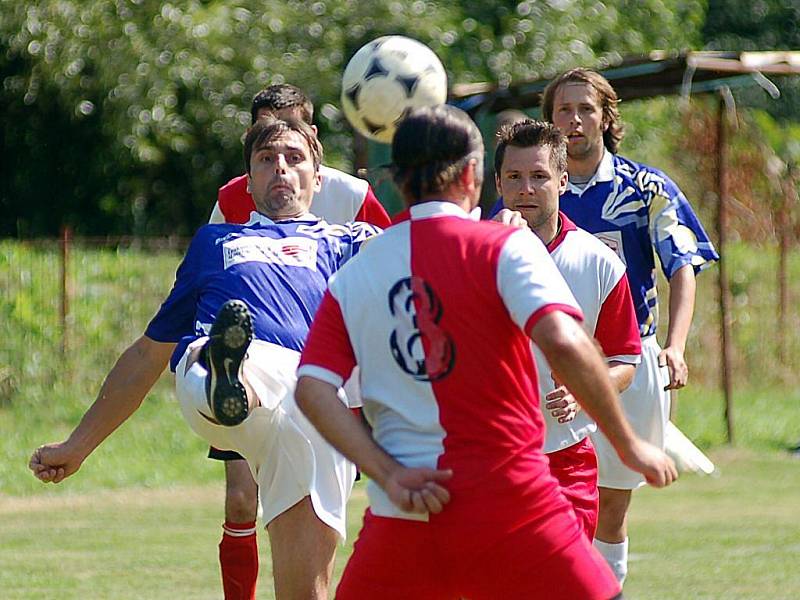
(387, 77)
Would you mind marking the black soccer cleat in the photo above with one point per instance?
(225, 351)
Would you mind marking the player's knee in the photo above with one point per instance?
(613, 509)
(241, 502)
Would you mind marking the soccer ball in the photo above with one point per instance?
(385, 79)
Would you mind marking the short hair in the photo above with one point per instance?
(608, 102)
(280, 96)
(264, 131)
(431, 147)
(528, 133)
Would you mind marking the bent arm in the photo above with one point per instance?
(411, 489)
(121, 394)
(621, 374)
(578, 364)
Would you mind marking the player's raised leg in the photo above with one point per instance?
(225, 351)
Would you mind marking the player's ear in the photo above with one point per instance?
(317, 181)
(248, 184)
(562, 183)
(497, 184)
(316, 131)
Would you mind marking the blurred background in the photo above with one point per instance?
(121, 119)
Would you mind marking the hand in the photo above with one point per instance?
(512, 218)
(658, 468)
(416, 489)
(672, 358)
(561, 404)
(54, 462)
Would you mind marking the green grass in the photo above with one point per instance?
(141, 518)
(736, 536)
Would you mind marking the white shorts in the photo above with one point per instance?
(289, 459)
(646, 405)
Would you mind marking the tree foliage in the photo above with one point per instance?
(124, 116)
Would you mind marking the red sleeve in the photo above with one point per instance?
(617, 330)
(235, 201)
(372, 211)
(328, 345)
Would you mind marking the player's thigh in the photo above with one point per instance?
(514, 569)
(575, 468)
(394, 559)
(303, 549)
(646, 406)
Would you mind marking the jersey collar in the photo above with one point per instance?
(256, 218)
(566, 227)
(436, 208)
(604, 173)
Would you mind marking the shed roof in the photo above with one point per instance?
(657, 74)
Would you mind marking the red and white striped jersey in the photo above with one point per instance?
(435, 312)
(596, 276)
(341, 199)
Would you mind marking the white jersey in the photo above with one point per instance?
(596, 277)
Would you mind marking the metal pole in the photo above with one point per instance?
(66, 237)
(724, 289)
(783, 245)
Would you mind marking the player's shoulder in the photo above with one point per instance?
(341, 181)
(234, 186)
(582, 244)
(645, 177)
(349, 230)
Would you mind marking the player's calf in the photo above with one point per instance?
(225, 351)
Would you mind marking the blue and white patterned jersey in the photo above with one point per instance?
(635, 209)
(279, 269)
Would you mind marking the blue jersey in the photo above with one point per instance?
(279, 269)
(636, 209)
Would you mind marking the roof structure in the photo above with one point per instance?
(657, 74)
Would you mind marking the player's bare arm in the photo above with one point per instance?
(563, 405)
(576, 361)
(411, 489)
(121, 394)
(681, 309)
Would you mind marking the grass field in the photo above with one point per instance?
(734, 537)
(141, 519)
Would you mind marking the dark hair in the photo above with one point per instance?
(527, 133)
(608, 102)
(430, 149)
(266, 130)
(279, 96)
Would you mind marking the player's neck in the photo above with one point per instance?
(585, 166)
(549, 230)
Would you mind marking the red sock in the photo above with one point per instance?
(238, 559)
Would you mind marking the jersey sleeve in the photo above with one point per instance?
(372, 211)
(617, 330)
(675, 231)
(328, 354)
(234, 201)
(529, 282)
(359, 234)
(175, 319)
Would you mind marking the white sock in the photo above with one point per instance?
(616, 556)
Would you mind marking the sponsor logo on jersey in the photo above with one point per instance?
(289, 251)
(612, 239)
